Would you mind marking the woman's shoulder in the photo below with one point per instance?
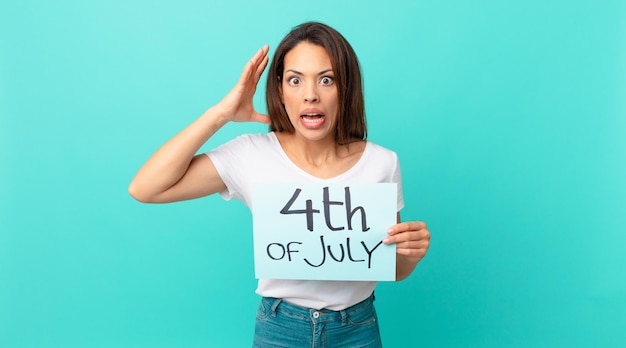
(253, 139)
(380, 151)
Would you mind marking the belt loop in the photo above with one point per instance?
(344, 317)
(275, 306)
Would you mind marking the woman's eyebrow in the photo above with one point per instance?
(319, 73)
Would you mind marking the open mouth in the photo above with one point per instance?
(312, 120)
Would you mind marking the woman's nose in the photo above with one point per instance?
(310, 94)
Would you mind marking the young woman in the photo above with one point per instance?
(317, 134)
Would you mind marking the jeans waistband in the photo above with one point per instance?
(278, 305)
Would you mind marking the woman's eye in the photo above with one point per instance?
(294, 81)
(326, 81)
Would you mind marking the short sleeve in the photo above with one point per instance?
(396, 177)
(230, 159)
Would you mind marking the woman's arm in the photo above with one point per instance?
(174, 172)
(412, 241)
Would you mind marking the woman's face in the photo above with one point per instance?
(309, 93)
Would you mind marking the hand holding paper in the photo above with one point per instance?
(412, 241)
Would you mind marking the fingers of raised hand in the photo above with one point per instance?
(259, 55)
(255, 67)
(260, 67)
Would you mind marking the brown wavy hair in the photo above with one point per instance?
(351, 125)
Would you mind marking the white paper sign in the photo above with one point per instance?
(324, 232)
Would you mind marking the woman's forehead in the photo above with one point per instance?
(307, 57)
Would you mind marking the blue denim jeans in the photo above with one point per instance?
(281, 324)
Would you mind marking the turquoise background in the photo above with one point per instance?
(509, 118)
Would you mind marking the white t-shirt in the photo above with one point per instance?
(259, 158)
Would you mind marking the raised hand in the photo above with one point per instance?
(174, 172)
(237, 105)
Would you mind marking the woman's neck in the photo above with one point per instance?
(324, 158)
